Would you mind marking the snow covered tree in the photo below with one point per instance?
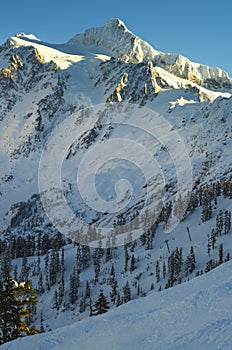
(133, 264)
(126, 293)
(114, 291)
(157, 270)
(9, 311)
(227, 222)
(219, 223)
(55, 300)
(27, 302)
(24, 275)
(220, 253)
(96, 264)
(127, 257)
(40, 286)
(74, 282)
(206, 213)
(61, 282)
(87, 290)
(54, 266)
(164, 270)
(46, 263)
(17, 301)
(210, 265)
(119, 300)
(190, 262)
(213, 238)
(101, 305)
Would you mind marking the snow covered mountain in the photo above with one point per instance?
(41, 84)
(166, 120)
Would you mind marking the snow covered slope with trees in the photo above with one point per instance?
(194, 315)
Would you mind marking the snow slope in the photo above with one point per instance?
(194, 315)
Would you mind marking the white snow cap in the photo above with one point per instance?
(27, 36)
(121, 42)
(116, 37)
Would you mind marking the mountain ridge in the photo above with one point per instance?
(120, 42)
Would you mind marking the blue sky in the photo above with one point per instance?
(200, 30)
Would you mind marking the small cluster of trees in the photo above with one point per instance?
(32, 244)
(223, 227)
(18, 301)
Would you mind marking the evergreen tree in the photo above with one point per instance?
(87, 290)
(220, 253)
(46, 263)
(61, 282)
(102, 305)
(53, 267)
(40, 287)
(114, 291)
(210, 265)
(164, 270)
(55, 300)
(96, 264)
(227, 222)
(17, 301)
(24, 275)
(27, 302)
(213, 238)
(126, 293)
(190, 262)
(219, 223)
(157, 270)
(9, 311)
(86, 256)
(127, 257)
(133, 265)
(79, 264)
(206, 213)
(193, 258)
(118, 300)
(73, 286)
(208, 245)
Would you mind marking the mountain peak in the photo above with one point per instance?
(117, 39)
(24, 36)
(116, 22)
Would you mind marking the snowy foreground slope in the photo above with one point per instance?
(194, 315)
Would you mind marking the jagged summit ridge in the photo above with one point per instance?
(115, 37)
(27, 36)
